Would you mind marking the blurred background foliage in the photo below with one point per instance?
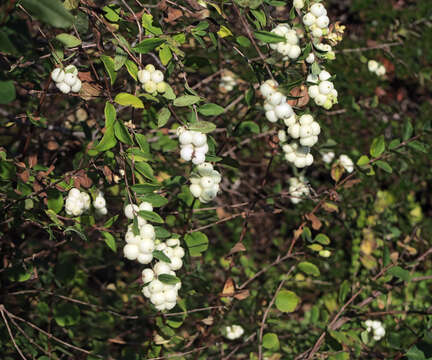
(66, 294)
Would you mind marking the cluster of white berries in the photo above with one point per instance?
(288, 48)
(77, 202)
(376, 67)
(227, 83)
(193, 145)
(205, 182)
(99, 204)
(164, 296)
(66, 80)
(323, 91)
(343, 159)
(306, 130)
(275, 105)
(377, 329)
(316, 20)
(328, 157)
(298, 4)
(298, 189)
(347, 163)
(141, 247)
(233, 332)
(152, 80)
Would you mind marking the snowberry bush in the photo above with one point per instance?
(214, 180)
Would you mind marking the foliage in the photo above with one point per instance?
(301, 279)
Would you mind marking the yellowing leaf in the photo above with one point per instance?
(126, 99)
(224, 31)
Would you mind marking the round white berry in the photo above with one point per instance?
(157, 76)
(294, 130)
(320, 99)
(306, 119)
(202, 149)
(318, 10)
(195, 189)
(63, 87)
(150, 68)
(316, 31)
(146, 245)
(147, 232)
(323, 21)
(99, 202)
(198, 158)
(185, 137)
(310, 58)
(129, 210)
(70, 79)
(147, 275)
(325, 87)
(298, 4)
(309, 19)
(290, 120)
(170, 295)
(186, 152)
(131, 251)
(77, 86)
(179, 252)
(161, 268)
(205, 169)
(146, 206)
(71, 69)
(157, 298)
(156, 286)
(276, 98)
(176, 263)
(198, 138)
(173, 242)
(206, 182)
(294, 52)
(150, 87)
(143, 76)
(324, 75)
(170, 305)
(271, 116)
(58, 75)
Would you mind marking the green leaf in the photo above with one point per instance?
(109, 67)
(260, 16)
(148, 45)
(268, 37)
(322, 239)
(161, 233)
(309, 268)
(7, 92)
(248, 126)
(384, 165)
(287, 301)
(408, 130)
(110, 114)
(151, 216)
(155, 199)
(165, 54)
(394, 144)
(243, 41)
(400, 273)
(378, 146)
(132, 69)
(169, 93)
(186, 100)
(66, 314)
(271, 342)
(55, 200)
(197, 243)
(126, 99)
(122, 133)
(68, 40)
(51, 12)
(415, 354)
(147, 23)
(110, 240)
(363, 160)
(145, 169)
(202, 126)
(76, 231)
(344, 290)
(108, 141)
(168, 279)
(211, 110)
(161, 256)
(163, 116)
(144, 188)
(417, 145)
(6, 45)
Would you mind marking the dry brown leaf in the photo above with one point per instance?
(351, 183)
(302, 93)
(24, 176)
(237, 248)
(108, 174)
(229, 288)
(32, 160)
(242, 294)
(89, 91)
(52, 145)
(173, 15)
(316, 223)
(85, 76)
